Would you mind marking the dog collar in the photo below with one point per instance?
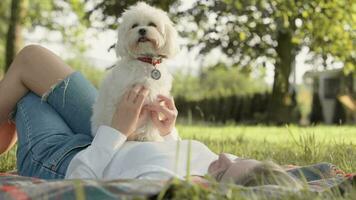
(150, 60)
(155, 73)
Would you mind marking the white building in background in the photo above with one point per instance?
(335, 91)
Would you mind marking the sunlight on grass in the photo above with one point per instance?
(283, 145)
(270, 134)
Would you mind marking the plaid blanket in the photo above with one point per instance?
(323, 179)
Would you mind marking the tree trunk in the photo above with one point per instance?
(14, 39)
(281, 104)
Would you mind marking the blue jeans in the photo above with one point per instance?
(52, 130)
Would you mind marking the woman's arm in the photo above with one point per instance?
(91, 162)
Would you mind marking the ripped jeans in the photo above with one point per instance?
(52, 129)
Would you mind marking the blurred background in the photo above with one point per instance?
(241, 62)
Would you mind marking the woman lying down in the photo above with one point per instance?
(54, 137)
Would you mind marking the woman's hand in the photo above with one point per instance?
(128, 110)
(169, 112)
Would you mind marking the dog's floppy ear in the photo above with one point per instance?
(117, 49)
(171, 46)
(119, 46)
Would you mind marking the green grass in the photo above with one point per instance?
(270, 134)
(283, 145)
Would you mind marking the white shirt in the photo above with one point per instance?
(110, 156)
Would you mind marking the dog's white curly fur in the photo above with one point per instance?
(160, 40)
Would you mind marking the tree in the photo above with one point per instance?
(4, 18)
(46, 14)
(13, 39)
(255, 32)
(112, 9)
(29, 14)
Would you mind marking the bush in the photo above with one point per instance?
(216, 82)
(234, 108)
(93, 74)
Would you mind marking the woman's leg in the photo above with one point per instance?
(53, 119)
(73, 99)
(38, 70)
(34, 69)
(46, 143)
(7, 136)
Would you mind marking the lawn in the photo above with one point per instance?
(271, 133)
(283, 145)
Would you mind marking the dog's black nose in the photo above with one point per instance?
(142, 31)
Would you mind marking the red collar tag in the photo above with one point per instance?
(150, 60)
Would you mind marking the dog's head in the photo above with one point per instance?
(146, 30)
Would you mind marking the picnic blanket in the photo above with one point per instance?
(323, 179)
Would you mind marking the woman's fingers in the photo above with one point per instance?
(161, 109)
(127, 116)
(168, 111)
(142, 117)
(126, 95)
(155, 119)
(168, 101)
(141, 96)
(134, 92)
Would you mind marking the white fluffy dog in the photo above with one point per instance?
(146, 38)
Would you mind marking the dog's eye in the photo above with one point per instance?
(152, 24)
(134, 25)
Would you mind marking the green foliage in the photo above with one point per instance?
(217, 81)
(48, 14)
(8, 160)
(222, 81)
(257, 32)
(249, 30)
(221, 94)
(112, 9)
(67, 17)
(187, 86)
(4, 16)
(2, 53)
(93, 74)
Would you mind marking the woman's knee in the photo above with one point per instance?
(30, 52)
(25, 55)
